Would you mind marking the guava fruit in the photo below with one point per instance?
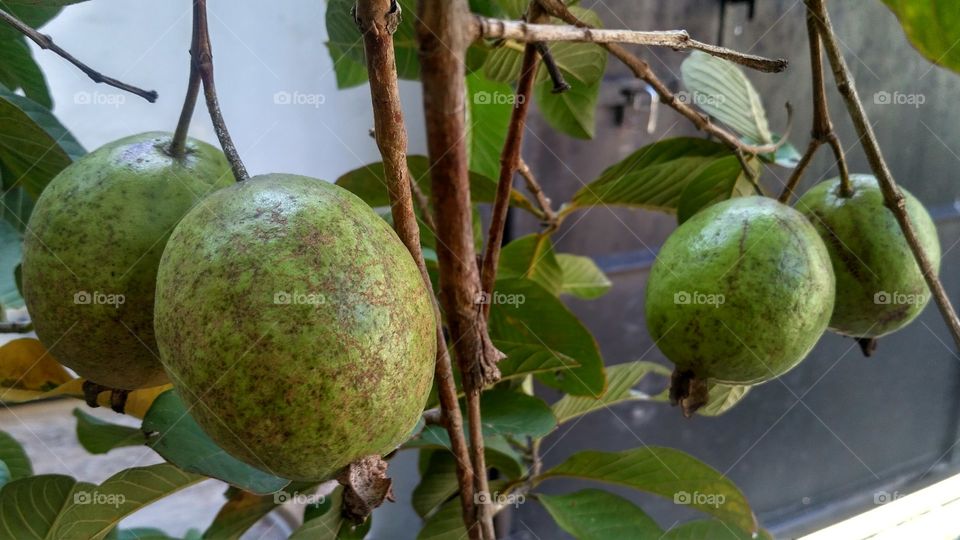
(296, 326)
(92, 247)
(880, 287)
(739, 293)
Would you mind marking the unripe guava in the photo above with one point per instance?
(92, 248)
(741, 292)
(295, 325)
(880, 287)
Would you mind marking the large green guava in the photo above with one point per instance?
(880, 287)
(295, 325)
(92, 247)
(740, 293)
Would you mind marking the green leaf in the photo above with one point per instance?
(348, 70)
(177, 437)
(437, 484)
(18, 70)
(445, 524)
(34, 146)
(506, 412)
(31, 13)
(722, 90)
(330, 525)
(665, 472)
(345, 39)
(489, 106)
(523, 312)
(654, 176)
(16, 207)
(592, 514)
(582, 277)
(29, 507)
(722, 398)
(709, 530)
(720, 180)
(525, 359)
(99, 437)
(15, 458)
(5, 475)
(93, 512)
(786, 155)
(572, 112)
(241, 511)
(932, 27)
(11, 246)
(621, 379)
(532, 257)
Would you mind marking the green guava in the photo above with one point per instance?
(296, 326)
(740, 293)
(92, 248)
(880, 287)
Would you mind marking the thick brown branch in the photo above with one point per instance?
(643, 72)
(892, 195)
(487, 28)
(443, 42)
(377, 21)
(203, 58)
(46, 42)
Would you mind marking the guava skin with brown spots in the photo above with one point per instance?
(880, 288)
(296, 326)
(740, 292)
(93, 245)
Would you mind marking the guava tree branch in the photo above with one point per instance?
(46, 42)
(891, 193)
(203, 58)
(642, 71)
(533, 186)
(509, 163)
(377, 21)
(443, 41)
(488, 28)
(178, 145)
(822, 131)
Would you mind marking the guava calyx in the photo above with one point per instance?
(688, 391)
(365, 487)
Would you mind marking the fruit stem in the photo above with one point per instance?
(203, 58)
(892, 195)
(178, 145)
(46, 42)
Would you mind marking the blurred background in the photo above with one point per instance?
(839, 435)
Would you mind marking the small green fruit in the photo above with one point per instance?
(741, 292)
(880, 287)
(92, 248)
(295, 325)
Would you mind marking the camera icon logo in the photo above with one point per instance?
(882, 298)
(681, 298)
(881, 98)
(82, 497)
(281, 497)
(282, 297)
(82, 298)
(282, 98)
(682, 497)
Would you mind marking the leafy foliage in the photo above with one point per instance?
(932, 27)
(592, 514)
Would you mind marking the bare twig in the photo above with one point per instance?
(423, 204)
(643, 72)
(46, 42)
(487, 28)
(203, 58)
(443, 41)
(560, 85)
(378, 20)
(891, 193)
(822, 131)
(533, 186)
(178, 145)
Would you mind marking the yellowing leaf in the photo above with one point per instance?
(25, 364)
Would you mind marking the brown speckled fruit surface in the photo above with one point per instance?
(296, 325)
(92, 248)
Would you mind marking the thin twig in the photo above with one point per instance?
(178, 145)
(443, 41)
(423, 204)
(488, 28)
(891, 193)
(203, 58)
(509, 162)
(533, 186)
(46, 42)
(377, 21)
(822, 131)
(560, 84)
(642, 71)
